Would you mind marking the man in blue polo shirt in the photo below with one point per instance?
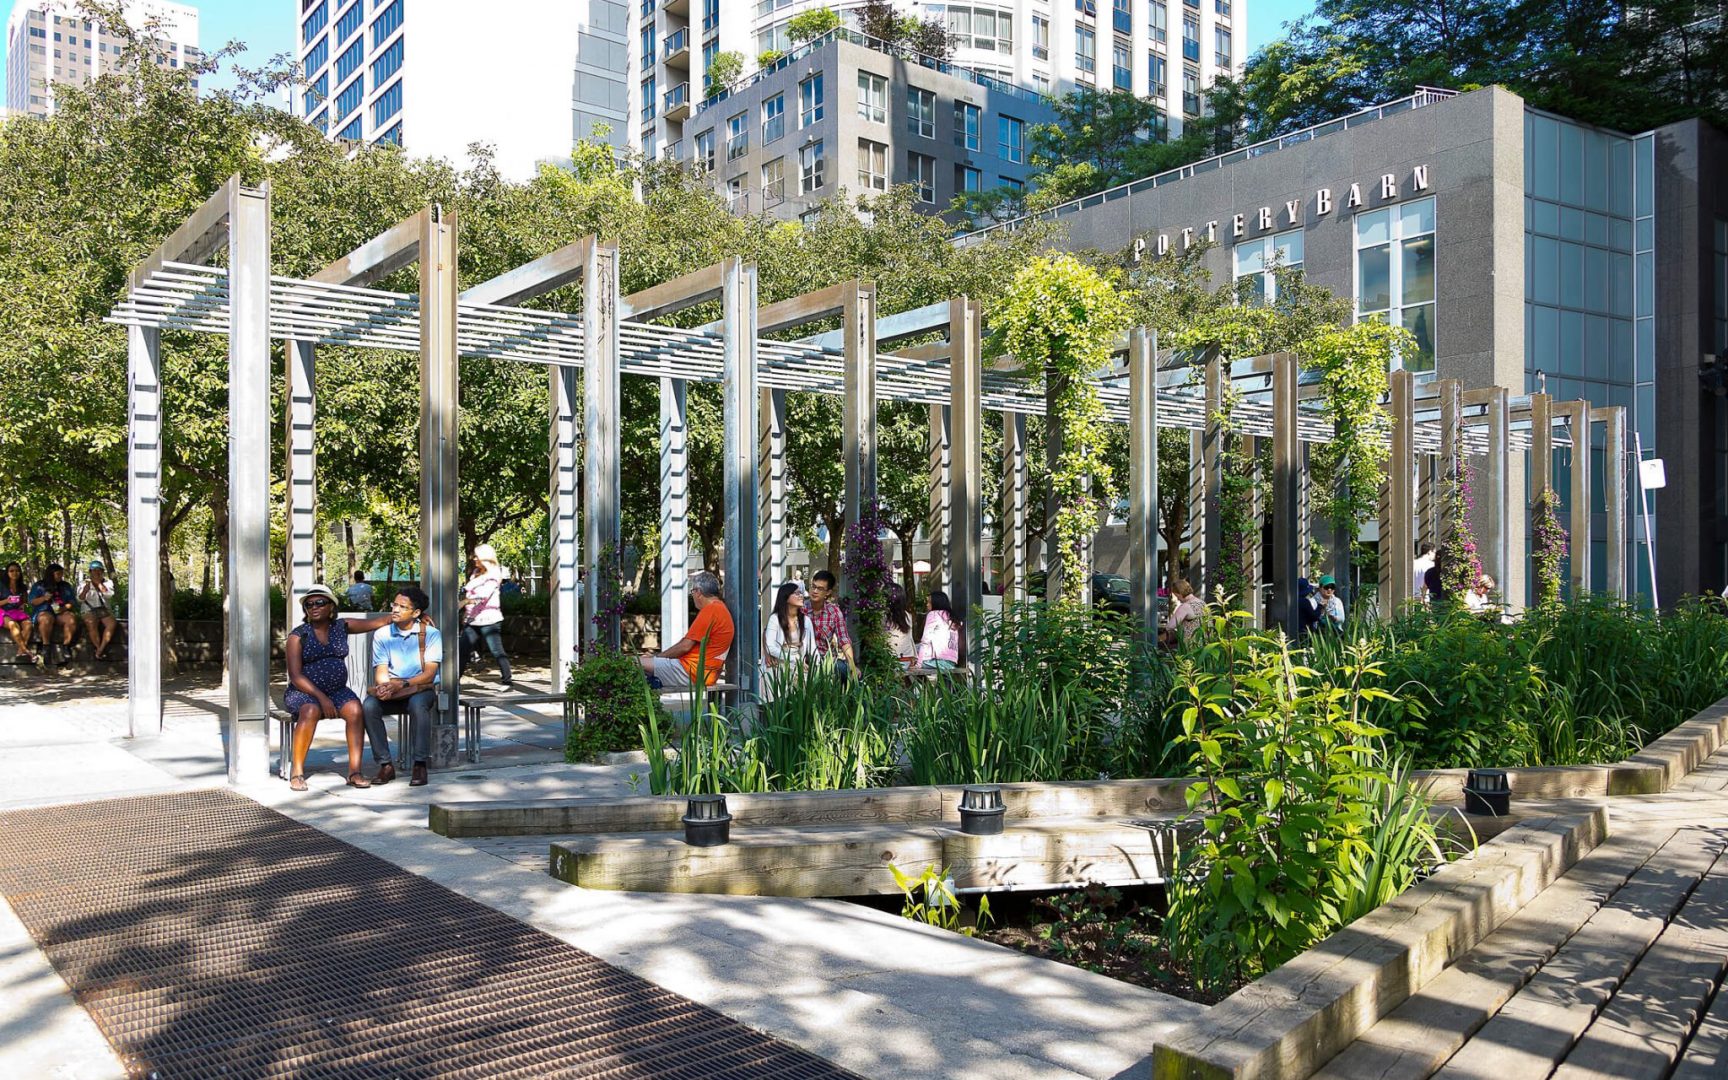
(405, 662)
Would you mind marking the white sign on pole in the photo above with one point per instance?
(1652, 474)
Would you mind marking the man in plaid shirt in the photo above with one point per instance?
(829, 623)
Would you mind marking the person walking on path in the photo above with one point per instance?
(833, 642)
(15, 612)
(483, 613)
(317, 656)
(704, 645)
(360, 595)
(788, 642)
(52, 604)
(94, 602)
(943, 646)
(405, 662)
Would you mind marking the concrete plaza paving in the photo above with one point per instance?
(866, 989)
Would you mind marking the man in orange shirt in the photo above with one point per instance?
(676, 666)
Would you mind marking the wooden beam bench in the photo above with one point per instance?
(474, 704)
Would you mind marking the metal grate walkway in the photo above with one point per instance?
(209, 936)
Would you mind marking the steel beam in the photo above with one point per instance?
(738, 390)
(1577, 414)
(966, 520)
(1143, 482)
(1011, 525)
(551, 271)
(302, 415)
(1613, 421)
(858, 424)
(144, 531)
(392, 250)
(565, 545)
(1197, 546)
(940, 448)
(248, 485)
(440, 539)
(200, 236)
(891, 328)
(1541, 444)
(601, 433)
(1397, 533)
(1286, 506)
(674, 512)
(668, 297)
(1212, 457)
(1494, 525)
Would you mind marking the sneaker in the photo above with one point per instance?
(39, 661)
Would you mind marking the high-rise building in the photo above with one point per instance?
(1166, 50)
(526, 76)
(51, 43)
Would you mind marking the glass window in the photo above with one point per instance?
(811, 168)
(1012, 184)
(967, 178)
(315, 93)
(650, 104)
(386, 23)
(921, 112)
(388, 104)
(351, 133)
(1040, 37)
(704, 144)
(1085, 48)
(968, 120)
(1011, 139)
(773, 118)
(1190, 38)
(872, 165)
(985, 29)
(393, 136)
(1395, 274)
(648, 44)
(350, 21)
(349, 61)
(1222, 7)
(314, 59)
(1262, 260)
(1222, 48)
(388, 63)
(734, 191)
(1157, 76)
(774, 180)
(923, 170)
(737, 136)
(810, 100)
(314, 24)
(349, 99)
(1122, 16)
(1120, 76)
(872, 98)
(1190, 91)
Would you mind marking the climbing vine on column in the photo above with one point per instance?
(1347, 472)
(1456, 557)
(1547, 546)
(1060, 319)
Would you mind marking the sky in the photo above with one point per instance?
(267, 28)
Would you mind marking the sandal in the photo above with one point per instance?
(358, 779)
(297, 782)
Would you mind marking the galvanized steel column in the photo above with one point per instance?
(674, 513)
(1286, 495)
(936, 525)
(565, 546)
(966, 521)
(738, 387)
(1011, 525)
(600, 435)
(1494, 525)
(1212, 459)
(1397, 527)
(1578, 422)
(1541, 444)
(771, 508)
(858, 426)
(143, 530)
(302, 395)
(1143, 482)
(248, 485)
(1197, 546)
(1614, 490)
(440, 539)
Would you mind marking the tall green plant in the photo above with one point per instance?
(1060, 319)
(1547, 546)
(1347, 471)
(962, 734)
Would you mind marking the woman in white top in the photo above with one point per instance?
(1479, 597)
(95, 601)
(899, 620)
(787, 641)
(482, 615)
(1186, 612)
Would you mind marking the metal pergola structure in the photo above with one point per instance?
(614, 335)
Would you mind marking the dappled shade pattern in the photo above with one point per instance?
(208, 936)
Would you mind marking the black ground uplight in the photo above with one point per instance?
(706, 822)
(1487, 791)
(981, 809)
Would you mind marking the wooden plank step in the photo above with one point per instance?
(1535, 1030)
(1639, 1034)
(1420, 1035)
(1706, 1056)
(853, 860)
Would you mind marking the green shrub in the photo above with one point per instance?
(615, 703)
(824, 732)
(1021, 731)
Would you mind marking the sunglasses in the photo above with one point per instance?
(316, 601)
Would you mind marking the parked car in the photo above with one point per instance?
(1109, 591)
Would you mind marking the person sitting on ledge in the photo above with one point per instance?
(676, 667)
(317, 655)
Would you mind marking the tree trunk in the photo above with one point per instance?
(209, 558)
(470, 539)
(836, 540)
(103, 546)
(165, 582)
(908, 577)
(71, 559)
(348, 543)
